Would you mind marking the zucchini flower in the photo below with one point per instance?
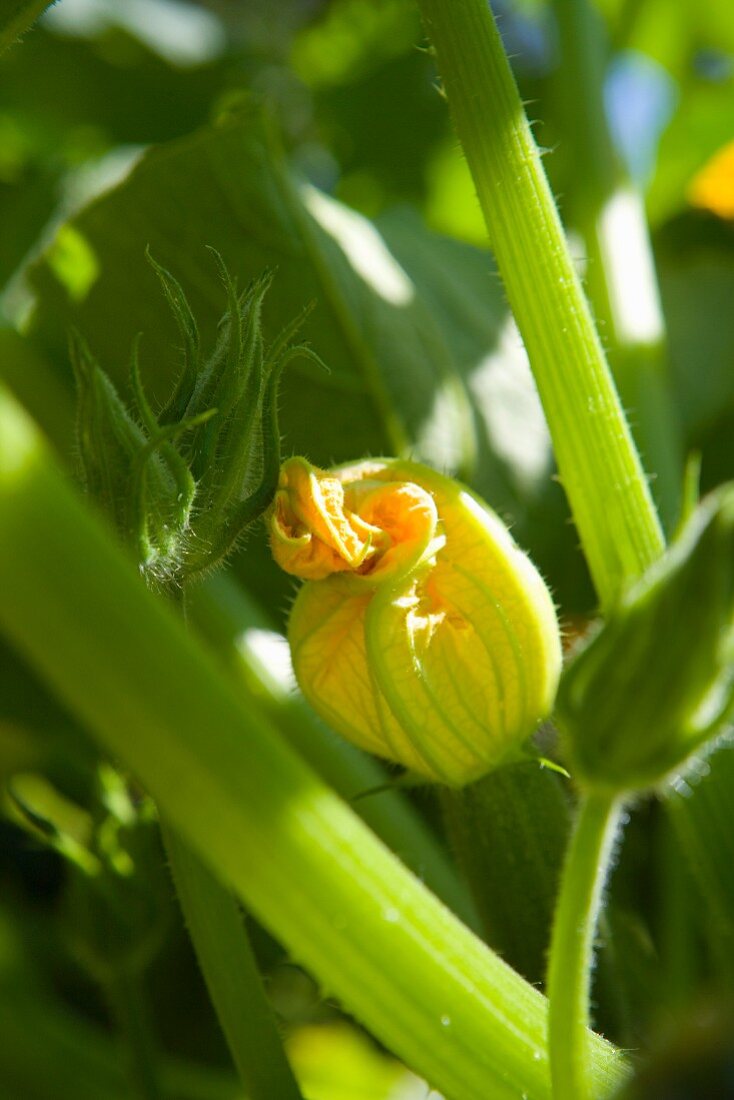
(423, 634)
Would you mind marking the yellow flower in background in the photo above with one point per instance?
(423, 633)
(713, 187)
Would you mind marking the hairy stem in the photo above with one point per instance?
(571, 955)
(597, 460)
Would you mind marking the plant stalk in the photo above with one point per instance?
(222, 945)
(571, 954)
(597, 460)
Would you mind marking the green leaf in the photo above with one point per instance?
(83, 117)
(81, 1060)
(509, 832)
(697, 283)
(702, 813)
(35, 382)
(35, 730)
(391, 385)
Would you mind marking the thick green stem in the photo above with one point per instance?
(289, 848)
(222, 946)
(219, 936)
(597, 460)
(571, 954)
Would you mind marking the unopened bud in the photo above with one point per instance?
(423, 634)
(657, 680)
(183, 485)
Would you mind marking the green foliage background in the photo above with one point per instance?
(309, 138)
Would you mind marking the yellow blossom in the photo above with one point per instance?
(423, 634)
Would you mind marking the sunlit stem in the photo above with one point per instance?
(597, 460)
(223, 950)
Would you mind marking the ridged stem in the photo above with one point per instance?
(597, 460)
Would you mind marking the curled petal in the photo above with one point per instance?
(312, 533)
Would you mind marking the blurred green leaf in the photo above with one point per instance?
(369, 137)
(696, 264)
(37, 385)
(670, 33)
(80, 1059)
(78, 89)
(698, 291)
(18, 16)
(27, 199)
(694, 1057)
(702, 813)
(34, 728)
